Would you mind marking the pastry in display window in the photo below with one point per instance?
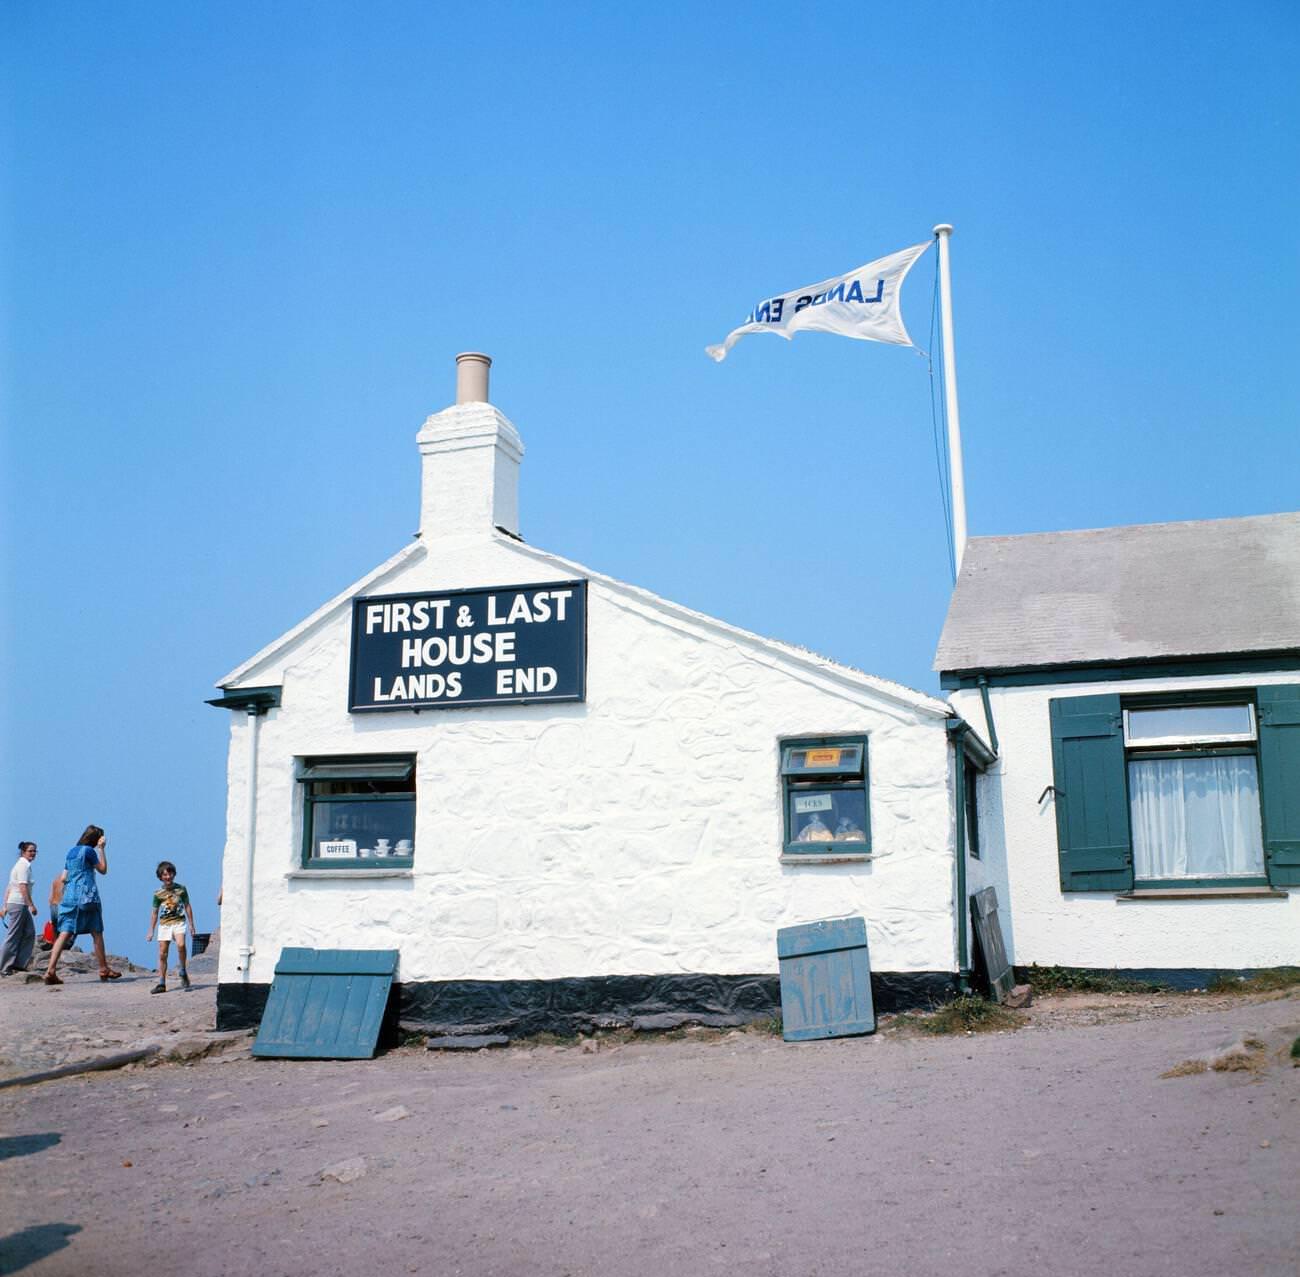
(815, 831)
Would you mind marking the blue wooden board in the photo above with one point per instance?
(326, 1004)
(825, 980)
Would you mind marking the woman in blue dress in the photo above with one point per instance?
(79, 910)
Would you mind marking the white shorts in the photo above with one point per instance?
(172, 931)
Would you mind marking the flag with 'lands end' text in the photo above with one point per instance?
(862, 304)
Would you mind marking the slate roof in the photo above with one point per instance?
(1213, 587)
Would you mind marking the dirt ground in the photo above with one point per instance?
(1057, 1149)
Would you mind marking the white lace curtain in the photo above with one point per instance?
(1195, 817)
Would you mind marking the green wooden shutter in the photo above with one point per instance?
(1279, 781)
(1088, 773)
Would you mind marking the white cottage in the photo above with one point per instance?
(1142, 686)
(565, 800)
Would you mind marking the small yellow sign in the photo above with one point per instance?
(823, 758)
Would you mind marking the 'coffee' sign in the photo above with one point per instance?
(469, 647)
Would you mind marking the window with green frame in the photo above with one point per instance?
(1191, 790)
(1193, 793)
(358, 812)
(824, 787)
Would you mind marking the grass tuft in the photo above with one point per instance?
(967, 1013)
(1187, 1068)
(1249, 1056)
(1236, 1062)
(1269, 980)
(546, 1038)
(1084, 980)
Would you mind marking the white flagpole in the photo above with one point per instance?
(942, 232)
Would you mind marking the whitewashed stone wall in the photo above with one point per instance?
(1043, 925)
(636, 833)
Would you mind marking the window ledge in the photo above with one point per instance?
(831, 858)
(298, 874)
(1201, 893)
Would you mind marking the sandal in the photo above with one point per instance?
(51, 979)
(108, 974)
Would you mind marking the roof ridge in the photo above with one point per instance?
(1133, 527)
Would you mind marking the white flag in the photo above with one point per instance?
(862, 304)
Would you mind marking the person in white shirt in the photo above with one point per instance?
(20, 909)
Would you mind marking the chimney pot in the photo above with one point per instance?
(472, 377)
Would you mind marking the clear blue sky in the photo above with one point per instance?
(243, 242)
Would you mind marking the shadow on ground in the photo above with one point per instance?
(29, 1245)
(24, 1145)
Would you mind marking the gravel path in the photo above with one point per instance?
(42, 1026)
(1056, 1150)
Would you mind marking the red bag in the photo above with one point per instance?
(48, 934)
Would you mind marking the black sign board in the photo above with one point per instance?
(503, 646)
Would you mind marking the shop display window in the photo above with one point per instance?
(358, 812)
(825, 790)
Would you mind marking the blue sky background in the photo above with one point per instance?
(242, 243)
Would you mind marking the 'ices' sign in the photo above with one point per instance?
(469, 647)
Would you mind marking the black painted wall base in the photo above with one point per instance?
(521, 1008)
(240, 1006)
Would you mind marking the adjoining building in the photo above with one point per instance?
(1142, 687)
(566, 801)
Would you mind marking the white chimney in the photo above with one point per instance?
(470, 455)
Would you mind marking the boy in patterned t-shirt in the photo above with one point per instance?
(171, 910)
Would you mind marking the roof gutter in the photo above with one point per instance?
(255, 700)
(988, 712)
(966, 739)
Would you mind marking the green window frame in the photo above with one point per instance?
(825, 796)
(358, 812)
(1091, 753)
(1222, 743)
